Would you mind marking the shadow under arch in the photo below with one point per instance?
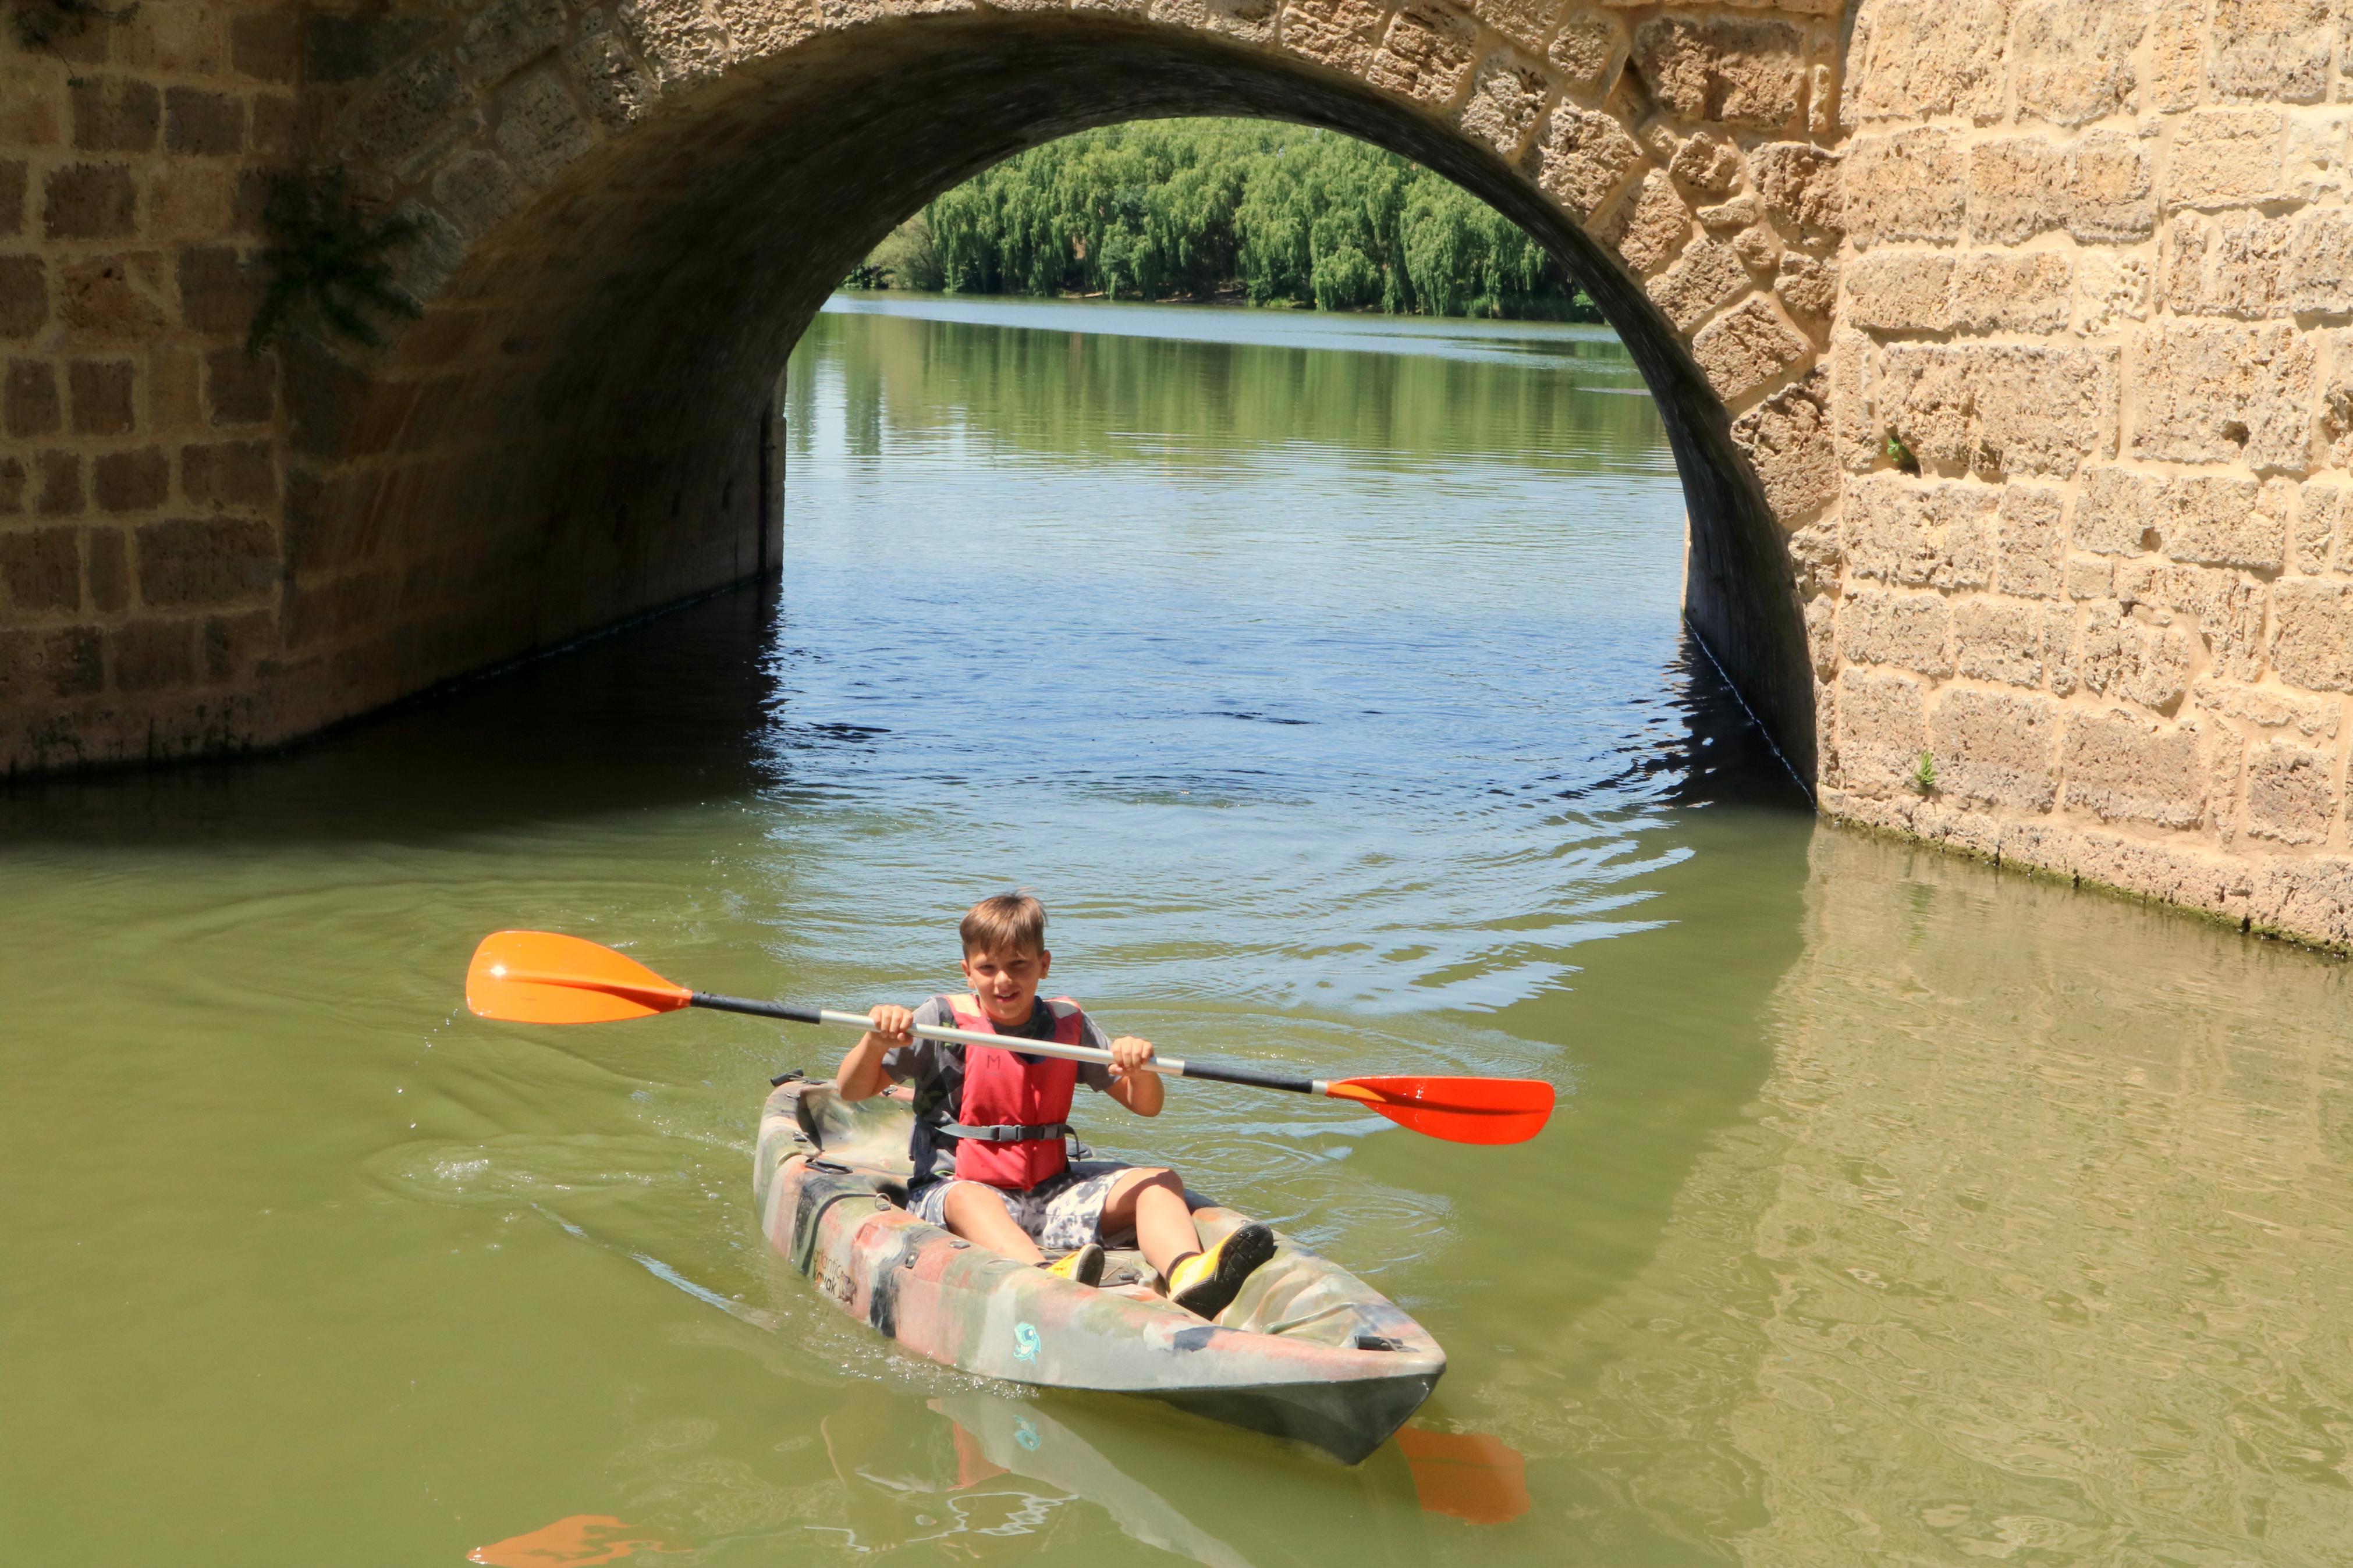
(577, 430)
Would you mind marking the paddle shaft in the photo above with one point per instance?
(1168, 1066)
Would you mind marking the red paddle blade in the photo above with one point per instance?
(1459, 1110)
(1467, 1474)
(539, 977)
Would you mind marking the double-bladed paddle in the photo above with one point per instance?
(540, 977)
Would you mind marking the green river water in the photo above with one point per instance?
(1324, 676)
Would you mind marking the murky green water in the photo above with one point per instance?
(1324, 676)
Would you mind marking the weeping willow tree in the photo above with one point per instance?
(1206, 208)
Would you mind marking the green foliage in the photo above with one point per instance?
(907, 259)
(326, 263)
(1901, 454)
(1924, 774)
(41, 22)
(1197, 208)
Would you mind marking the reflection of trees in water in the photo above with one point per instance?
(2034, 1246)
(1029, 390)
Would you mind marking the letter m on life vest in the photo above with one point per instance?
(1002, 1090)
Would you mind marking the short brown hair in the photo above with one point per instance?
(1007, 924)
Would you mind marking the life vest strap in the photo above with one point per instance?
(1002, 1134)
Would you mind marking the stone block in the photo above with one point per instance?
(2118, 511)
(2090, 577)
(1802, 189)
(90, 201)
(15, 478)
(233, 644)
(1647, 229)
(219, 293)
(2071, 60)
(2234, 265)
(200, 124)
(2013, 191)
(103, 396)
(2224, 158)
(2226, 608)
(1882, 728)
(115, 114)
(2142, 656)
(540, 129)
(1709, 164)
(2001, 410)
(229, 474)
(196, 562)
(241, 388)
(2314, 718)
(1786, 440)
(2110, 196)
(476, 190)
(2312, 632)
(1909, 631)
(68, 663)
(29, 405)
(16, 184)
(1996, 747)
(153, 655)
(617, 95)
(1722, 70)
(1530, 24)
(41, 569)
(1506, 97)
(2126, 768)
(114, 298)
(1908, 187)
(1342, 34)
(2212, 394)
(1920, 533)
(1747, 347)
(2177, 55)
(23, 296)
(2063, 652)
(2029, 291)
(413, 106)
(266, 45)
(2315, 542)
(2110, 290)
(2291, 792)
(1731, 217)
(1821, 638)
(2320, 263)
(1427, 56)
(1807, 287)
(1757, 249)
(1900, 293)
(109, 553)
(2271, 51)
(506, 36)
(131, 481)
(61, 481)
(1709, 277)
(1999, 639)
(1584, 158)
(1589, 54)
(1855, 429)
(2218, 521)
(2315, 167)
(1917, 58)
(2030, 541)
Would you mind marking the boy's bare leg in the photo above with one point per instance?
(1152, 1203)
(975, 1212)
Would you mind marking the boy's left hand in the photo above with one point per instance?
(1127, 1054)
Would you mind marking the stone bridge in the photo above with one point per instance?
(2001, 344)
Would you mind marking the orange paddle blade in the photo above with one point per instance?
(1459, 1110)
(539, 977)
(1467, 1474)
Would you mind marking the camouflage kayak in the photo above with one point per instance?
(1307, 1351)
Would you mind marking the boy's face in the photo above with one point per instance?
(1006, 985)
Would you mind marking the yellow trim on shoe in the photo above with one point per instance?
(1208, 1282)
(1083, 1266)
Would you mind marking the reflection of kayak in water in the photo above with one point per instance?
(1307, 1349)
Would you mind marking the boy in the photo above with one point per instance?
(990, 1161)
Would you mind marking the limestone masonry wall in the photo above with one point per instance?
(1999, 345)
(2093, 408)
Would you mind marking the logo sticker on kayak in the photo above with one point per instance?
(1025, 1342)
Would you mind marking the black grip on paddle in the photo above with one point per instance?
(789, 1012)
(1255, 1077)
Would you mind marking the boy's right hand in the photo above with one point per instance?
(895, 1024)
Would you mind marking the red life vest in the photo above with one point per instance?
(1001, 1090)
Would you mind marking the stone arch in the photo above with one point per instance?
(631, 215)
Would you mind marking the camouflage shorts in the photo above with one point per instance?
(1058, 1213)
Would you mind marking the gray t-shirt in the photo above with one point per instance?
(935, 1068)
